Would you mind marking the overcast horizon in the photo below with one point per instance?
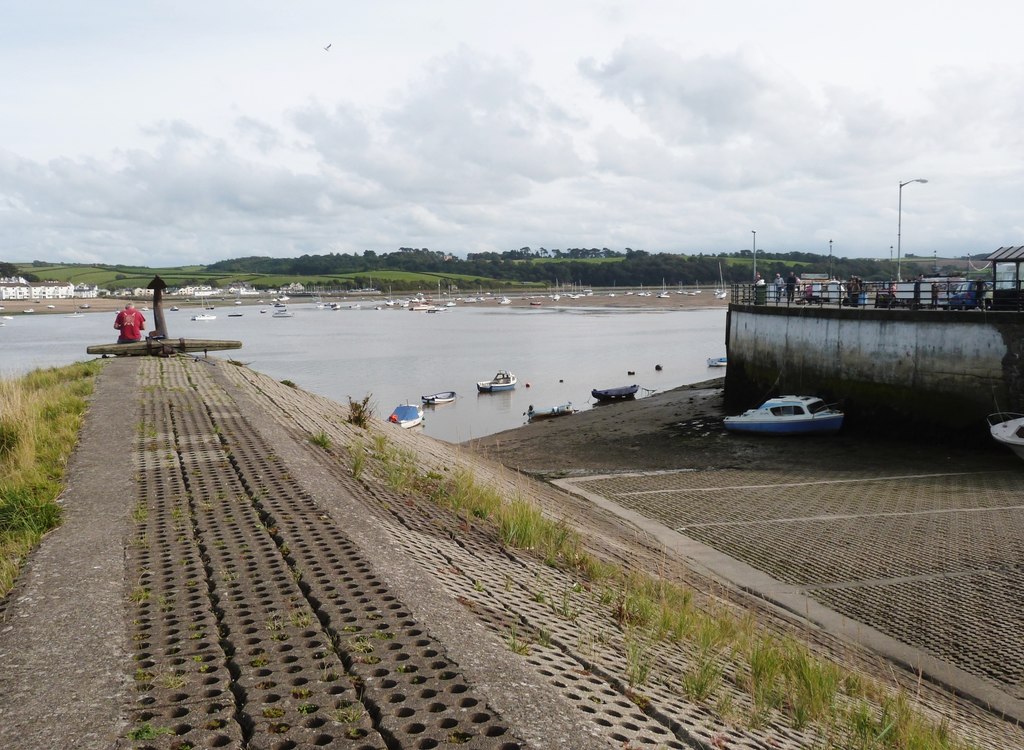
(176, 134)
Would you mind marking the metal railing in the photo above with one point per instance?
(927, 294)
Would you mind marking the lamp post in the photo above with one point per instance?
(830, 260)
(899, 226)
(754, 232)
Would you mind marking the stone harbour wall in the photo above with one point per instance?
(891, 369)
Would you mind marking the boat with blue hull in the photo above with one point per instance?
(788, 415)
(615, 394)
(502, 381)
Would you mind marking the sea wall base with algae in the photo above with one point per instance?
(892, 369)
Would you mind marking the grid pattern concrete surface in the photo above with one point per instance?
(935, 561)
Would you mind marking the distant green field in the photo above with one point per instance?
(113, 277)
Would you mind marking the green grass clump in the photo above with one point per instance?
(41, 415)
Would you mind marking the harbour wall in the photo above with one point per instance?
(890, 369)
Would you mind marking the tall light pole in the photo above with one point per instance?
(754, 232)
(830, 260)
(899, 226)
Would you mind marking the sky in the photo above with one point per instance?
(177, 133)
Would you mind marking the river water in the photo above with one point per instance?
(395, 356)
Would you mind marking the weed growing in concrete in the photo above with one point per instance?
(360, 413)
(321, 439)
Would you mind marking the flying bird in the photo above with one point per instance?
(327, 48)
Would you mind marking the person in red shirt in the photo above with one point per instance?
(131, 323)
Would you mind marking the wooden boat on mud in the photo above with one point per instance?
(788, 415)
(442, 397)
(502, 381)
(621, 393)
(1008, 429)
(563, 410)
(162, 347)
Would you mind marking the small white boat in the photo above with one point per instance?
(406, 415)
(563, 410)
(75, 315)
(442, 397)
(504, 301)
(718, 361)
(283, 313)
(502, 381)
(204, 316)
(175, 308)
(28, 310)
(788, 415)
(1008, 429)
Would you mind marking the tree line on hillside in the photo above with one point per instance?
(590, 267)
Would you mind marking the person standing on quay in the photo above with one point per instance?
(790, 287)
(131, 323)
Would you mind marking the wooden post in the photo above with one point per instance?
(159, 326)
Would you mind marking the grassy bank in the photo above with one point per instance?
(736, 668)
(40, 415)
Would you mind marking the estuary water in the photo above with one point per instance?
(395, 355)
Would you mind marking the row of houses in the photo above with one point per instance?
(15, 289)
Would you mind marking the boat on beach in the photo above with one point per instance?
(788, 415)
(1008, 429)
(620, 393)
(562, 410)
(406, 415)
(502, 381)
(441, 397)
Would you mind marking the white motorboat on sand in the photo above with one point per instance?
(1008, 429)
(788, 415)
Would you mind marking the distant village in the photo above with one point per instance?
(18, 289)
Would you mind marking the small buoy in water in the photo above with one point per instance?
(658, 368)
(560, 380)
(631, 372)
(527, 385)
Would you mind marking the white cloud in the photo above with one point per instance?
(195, 132)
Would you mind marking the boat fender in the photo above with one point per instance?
(393, 418)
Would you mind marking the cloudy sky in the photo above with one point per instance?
(168, 133)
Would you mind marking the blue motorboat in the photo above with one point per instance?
(788, 415)
(502, 381)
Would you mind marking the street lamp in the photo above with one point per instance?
(899, 226)
(754, 232)
(830, 260)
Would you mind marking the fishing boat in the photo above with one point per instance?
(442, 397)
(1008, 429)
(406, 415)
(204, 316)
(502, 381)
(562, 410)
(283, 312)
(615, 394)
(788, 415)
(718, 361)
